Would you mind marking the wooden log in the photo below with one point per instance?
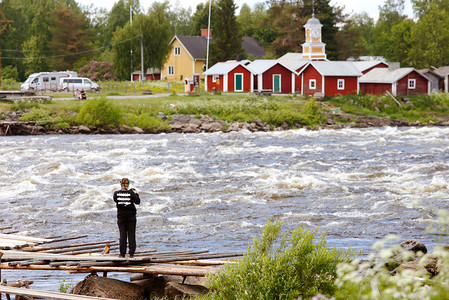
(38, 249)
(80, 248)
(66, 239)
(14, 237)
(45, 294)
(4, 228)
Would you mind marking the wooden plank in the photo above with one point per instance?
(44, 294)
(20, 255)
(22, 238)
(167, 269)
(37, 249)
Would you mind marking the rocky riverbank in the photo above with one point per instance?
(11, 125)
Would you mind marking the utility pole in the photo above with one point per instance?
(5, 24)
(141, 58)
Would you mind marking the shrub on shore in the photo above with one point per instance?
(291, 266)
(100, 112)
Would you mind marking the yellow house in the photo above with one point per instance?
(187, 57)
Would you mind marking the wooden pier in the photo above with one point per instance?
(61, 254)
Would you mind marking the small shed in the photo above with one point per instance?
(436, 80)
(232, 76)
(272, 75)
(402, 81)
(150, 74)
(329, 78)
(444, 72)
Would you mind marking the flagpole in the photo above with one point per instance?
(208, 39)
(131, 23)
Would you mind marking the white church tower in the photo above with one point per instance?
(313, 48)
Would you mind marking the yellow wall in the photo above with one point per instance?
(183, 64)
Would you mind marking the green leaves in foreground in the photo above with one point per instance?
(287, 267)
(100, 113)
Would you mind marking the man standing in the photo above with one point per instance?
(125, 199)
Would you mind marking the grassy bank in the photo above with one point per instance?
(295, 111)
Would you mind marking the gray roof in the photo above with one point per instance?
(335, 68)
(293, 61)
(365, 65)
(259, 66)
(196, 46)
(443, 71)
(222, 68)
(385, 75)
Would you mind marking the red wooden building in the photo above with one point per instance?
(329, 78)
(229, 77)
(402, 81)
(272, 75)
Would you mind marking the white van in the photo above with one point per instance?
(45, 80)
(78, 83)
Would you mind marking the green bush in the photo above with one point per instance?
(99, 113)
(144, 121)
(37, 114)
(21, 105)
(289, 267)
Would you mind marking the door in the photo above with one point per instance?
(276, 83)
(238, 83)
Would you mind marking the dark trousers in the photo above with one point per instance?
(127, 228)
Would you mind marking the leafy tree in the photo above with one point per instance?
(34, 60)
(180, 19)
(157, 33)
(227, 38)
(71, 36)
(10, 72)
(391, 14)
(289, 17)
(430, 38)
(422, 6)
(118, 17)
(399, 42)
(350, 42)
(245, 20)
(200, 19)
(364, 25)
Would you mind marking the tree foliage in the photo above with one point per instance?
(156, 33)
(227, 43)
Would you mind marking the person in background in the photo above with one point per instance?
(83, 95)
(77, 94)
(125, 200)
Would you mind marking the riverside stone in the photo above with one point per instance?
(105, 287)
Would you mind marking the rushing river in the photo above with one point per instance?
(216, 191)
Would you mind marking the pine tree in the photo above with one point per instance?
(227, 40)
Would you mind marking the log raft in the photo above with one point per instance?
(29, 253)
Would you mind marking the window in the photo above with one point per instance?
(45, 79)
(340, 84)
(171, 70)
(53, 79)
(215, 78)
(312, 84)
(412, 83)
(177, 51)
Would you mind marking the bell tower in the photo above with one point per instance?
(313, 48)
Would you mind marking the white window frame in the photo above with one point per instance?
(177, 51)
(412, 84)
(312, 84)
(171, 70)
(340, 84)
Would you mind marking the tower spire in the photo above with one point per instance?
(313, 8)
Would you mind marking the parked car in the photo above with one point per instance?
(78, 83)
